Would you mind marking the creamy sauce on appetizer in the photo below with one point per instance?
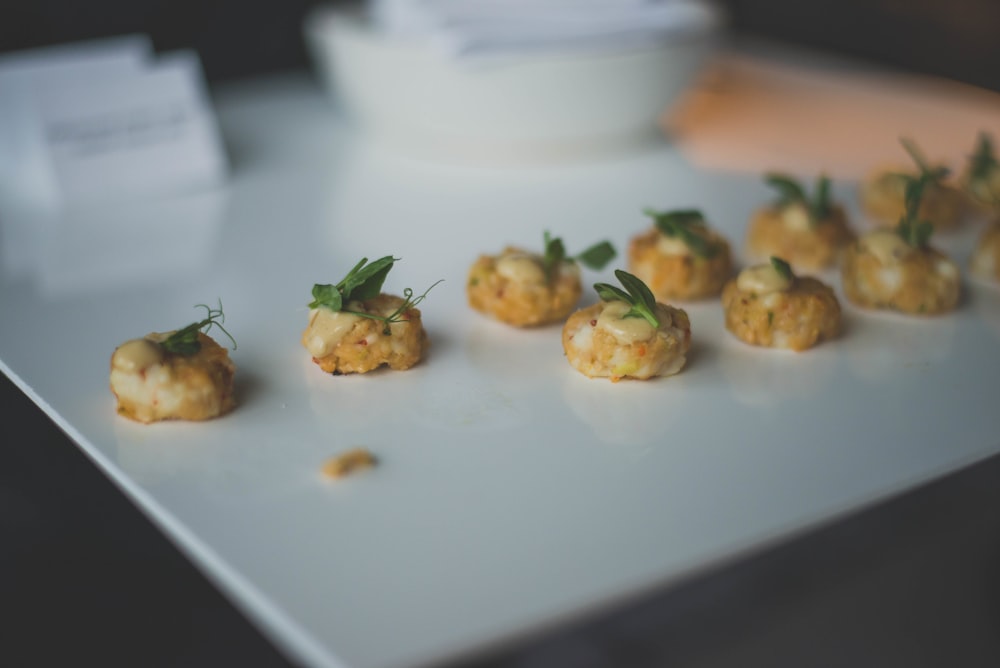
(326, 329)
(136, 355)
(521, 268)
(762, 279)
(886, 245)
(986, 189)
(672, 246)
(795, 217)
(627, 330)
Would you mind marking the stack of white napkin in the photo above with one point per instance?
(489, 28)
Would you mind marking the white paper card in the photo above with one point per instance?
(87, 126)
(24, 166)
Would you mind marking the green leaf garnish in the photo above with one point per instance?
(782, 268)
(927, 172)
(820, 205)
(791, 191)
(983, 166)
(596, 257)
(983, 161)
(326, 295)
(364, 282)
(914, 231)
(185, 341)
(555, 253)
(636, 295)
(688, 225)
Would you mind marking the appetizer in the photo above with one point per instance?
(985, 261)
(808, 232)
(883, 195)
(680, 257)
(768, 305)
(627, 334)
(178, 375)
(354, 327)
(981, 179)
(897, 269)
(525, 289)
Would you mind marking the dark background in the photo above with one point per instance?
(959, 39)
(86, 580)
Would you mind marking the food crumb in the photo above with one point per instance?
(348, 462)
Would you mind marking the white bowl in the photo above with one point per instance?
(409, 94)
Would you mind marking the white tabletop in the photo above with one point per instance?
(513, 493)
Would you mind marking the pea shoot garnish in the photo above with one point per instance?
(983, 161)
(364, 282)
(636, 295)
(596, 257)
(688, 225)
(914, 231)
(927, 173)
(782, 268)
(185, 341)
(790, 191)
(982, 165)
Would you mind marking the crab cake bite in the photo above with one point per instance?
(179, 375)
(809, 233)
(526, 289)
(680, 257)
(627, 334)
(355, 328)
(981, 178)
(884, 270)
(985, 261)
(896, 269)
(883, 194)
(768, 305)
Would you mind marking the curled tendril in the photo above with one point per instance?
(409, 301)
(185, 341)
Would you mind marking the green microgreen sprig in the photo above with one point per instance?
(790, 191)
(983, 164)
(984, 160)
(636, 295)
(596, 257)
(688, 225)
(185, 341)
(782, 268)
(363, 282)
(914, 231)
(927, 173)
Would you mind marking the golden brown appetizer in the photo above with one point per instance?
(628, 334)
(768, 305)
(178, 375)
(355, 328)
(526, 289)
(883, 194)
(981, 178)
(680, 257)
(897, 269)
(985, 261)
(808, 232)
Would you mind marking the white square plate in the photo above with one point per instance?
(512, 492)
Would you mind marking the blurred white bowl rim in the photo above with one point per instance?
(526, 104)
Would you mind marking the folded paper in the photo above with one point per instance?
(105, 121)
